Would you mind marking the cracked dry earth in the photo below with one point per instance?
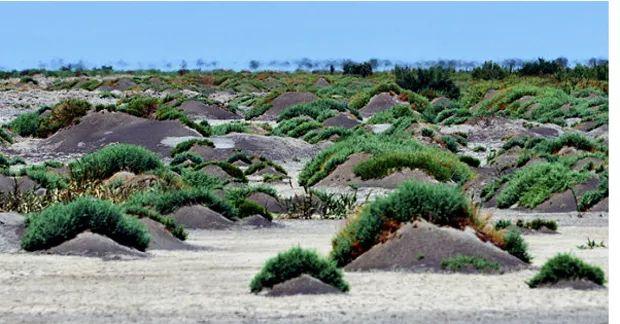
(212, 285)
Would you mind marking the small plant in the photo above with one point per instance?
(26, 124)
(105, 162)
(566, 267)
(463, 262)
(293, 263)
(591, 244)
(140, 106)
(470, 160)
(60, 222)
(502, 224)
(515, 245)
(187, 145)
(427, 132)
(62, 115)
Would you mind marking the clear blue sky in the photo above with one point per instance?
(156, 34)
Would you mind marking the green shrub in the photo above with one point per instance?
(515, 245)
(442, 166)
(170, 223)
(489, 71)
(62, 115)
(436, 79)
(105, 162)
(427, 132)
(502, 224)
(167, 201)
(451, 144)
(199, 179)
(293, 263)
(47, 179)
(317, 135)
(60, 222)
(5, 137)
(566, 267)
(232, 127)
(532, 185)
(26, 124)
(140, 106)
(463, 262)
(538, 223)
(576, 140)
(317, 109)
(187, 145)
(594, 196)
(437, 203)
(470, 160)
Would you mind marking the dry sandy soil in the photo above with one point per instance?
(212, 285)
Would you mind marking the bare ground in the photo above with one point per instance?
(212, 286)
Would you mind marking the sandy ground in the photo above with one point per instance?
(212, 286)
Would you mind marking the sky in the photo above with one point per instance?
(229, 35)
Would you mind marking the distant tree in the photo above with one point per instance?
(183, 67)
(540, 67)
(254, 64)
(489, 71)
(332, 69)
(434, 80)
(361, 69)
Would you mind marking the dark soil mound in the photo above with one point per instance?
(379, 102)
(9, 185)
(217, 171)
(345, 120)
(161, 239)
(257, 221)
(302, 285)
(601, 206)
(561, 202)
(285, 100)
(269, 202)
(94, 245)
(573, 284)
(198, 109)
(200, 217)
(122, 84)
(271, 147)
(421, 246)
(321, 82)
(98, 129)
(343, 176)
(12, 227)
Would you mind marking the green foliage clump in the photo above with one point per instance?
(390, 115)
(489, 70)
(62, 115)
(464, 262)
(296, 127)
(187, 145)
(293, 263)
(140, 106)
(576, 140)
(105, 162)
(533, 184)
(442, 166)
(60, 222)
(167, 201)
(317, 135)
(566, 267)
(515, 245)
(47, 179)
(232, 127)
(594, 196)
(26, 124)
(470, 160)
(5, 137)
(318, 110)
(437, 203)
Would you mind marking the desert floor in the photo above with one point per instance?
(212, 285)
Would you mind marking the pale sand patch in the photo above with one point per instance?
(212, 286)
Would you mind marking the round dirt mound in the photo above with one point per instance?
(379, 102)
(267, 201)
(98, 129)
(573, 284)
(345, 120)
(257, 221)
(421, 246)
(89, 244)
(198, 109)
(302, 285)
(161, 239)
(271, 147)
(561, 202)
(12, 227)
(284, 100)
(343, 176)
(321, 82)
(201, 217)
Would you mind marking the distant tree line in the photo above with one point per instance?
(596, 69)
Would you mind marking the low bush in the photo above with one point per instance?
(515, 245)
(435, 79)
(293, 263)
(437, 203)
(442, 166)
(187, 145)
(140, 106)
(60, 222)
(105, 162)
(463, 262)
(26, 124)
(566, 267)
(167, 201)
(317, 135)
(532, 185)
(62, 115)
(5, 137)
(318, 110)
(470, 160)
(232, 127)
